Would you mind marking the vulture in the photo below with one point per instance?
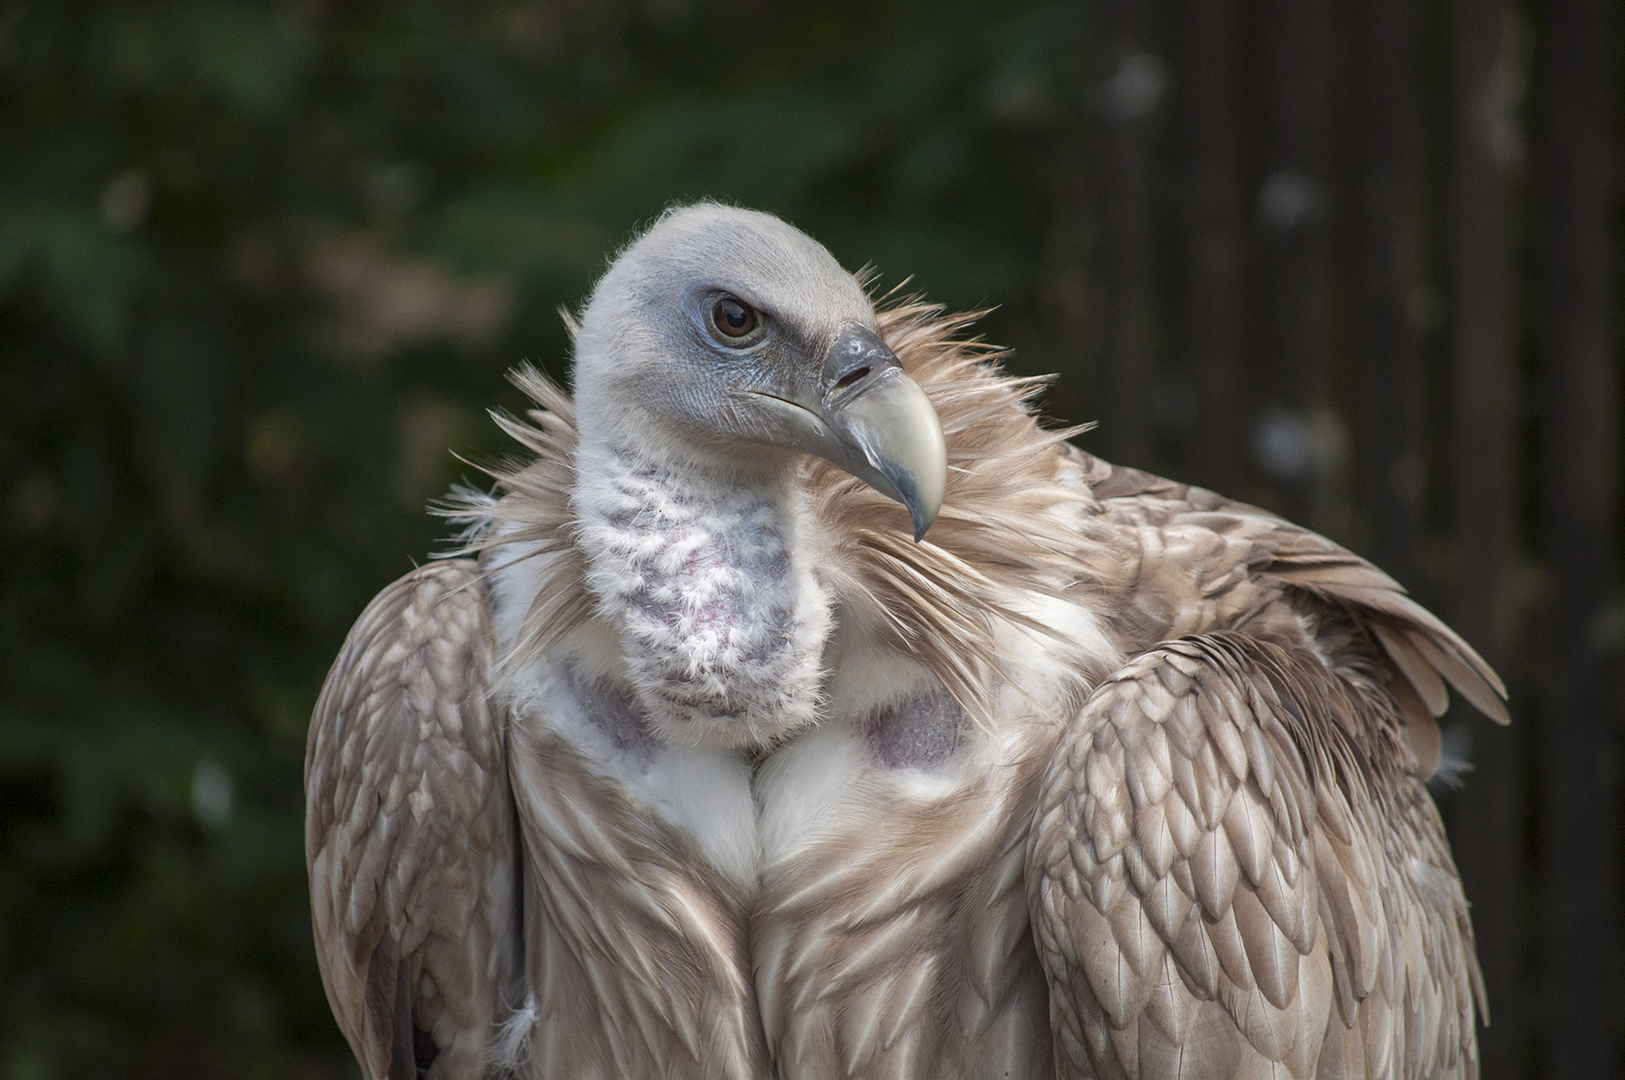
(796, 706)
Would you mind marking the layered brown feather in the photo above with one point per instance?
(409, 832)
(1234, 867)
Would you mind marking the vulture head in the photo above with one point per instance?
(720, 349)
(723, 342)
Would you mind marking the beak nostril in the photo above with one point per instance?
(851, 378)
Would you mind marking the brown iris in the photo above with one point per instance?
(732, 318)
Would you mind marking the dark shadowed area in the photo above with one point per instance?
(263, 267)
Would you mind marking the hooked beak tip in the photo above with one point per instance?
(900, 435)
(922, 507)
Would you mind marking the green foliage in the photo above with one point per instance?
(260, 266)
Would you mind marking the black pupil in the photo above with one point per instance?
(734, 318)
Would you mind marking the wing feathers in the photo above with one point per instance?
(409, 831)
(1313, 922)
(1190, 561)
(1423, 676)
(1469, 681)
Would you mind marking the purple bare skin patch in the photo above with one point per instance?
(612, 710)
(919, 733)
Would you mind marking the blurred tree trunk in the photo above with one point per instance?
(1070, 291)
(1215, 451)
(1489, 833)
(1127, 101)
(1581, 838)
(1391, 381)
(1292, 205)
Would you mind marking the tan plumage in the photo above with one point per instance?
(1111, 777)
(409, 828)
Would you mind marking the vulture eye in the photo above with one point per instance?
(733, 319)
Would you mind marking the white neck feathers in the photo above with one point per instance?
(721, 618)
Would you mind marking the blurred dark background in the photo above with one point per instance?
(262, 264)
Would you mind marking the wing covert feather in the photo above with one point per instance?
(1194, 561)
(410, 832)
(1224, 883)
